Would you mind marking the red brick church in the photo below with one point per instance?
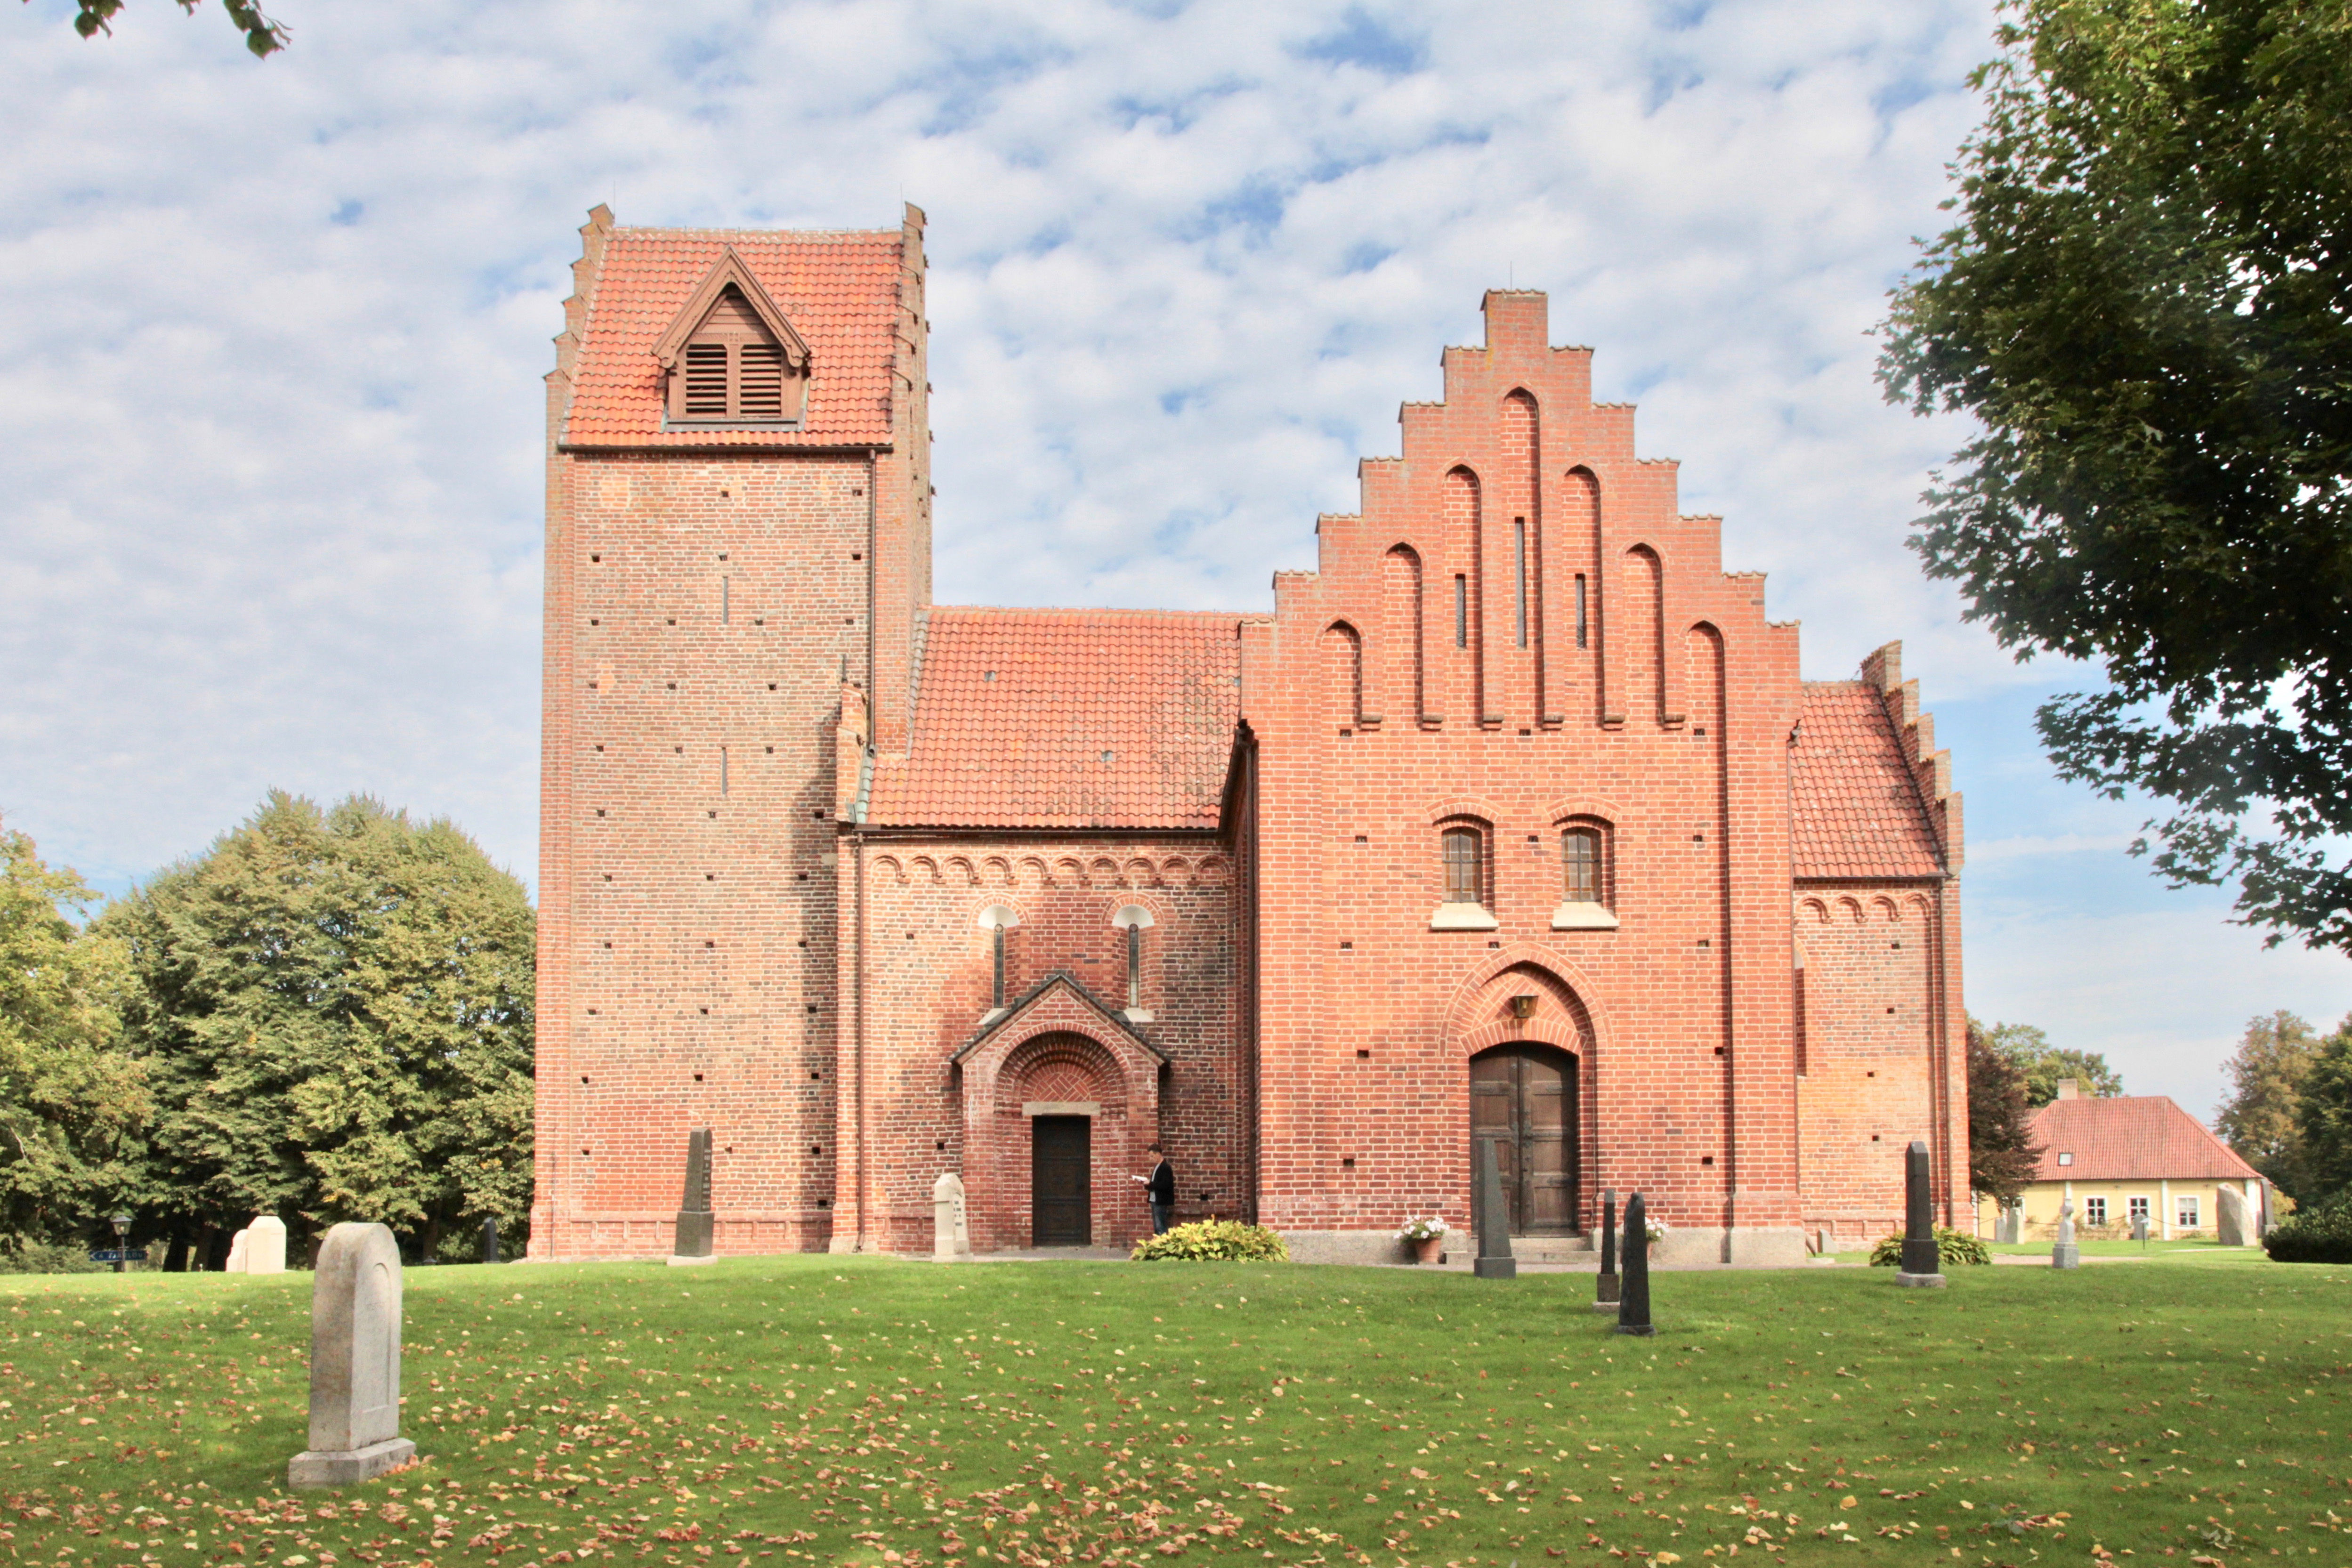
(1514, 817)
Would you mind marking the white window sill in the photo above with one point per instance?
(1137, 1014)
(1463, 917)
(990, 1016)
(1583, 917)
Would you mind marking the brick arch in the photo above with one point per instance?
(1482, 1020)
(1589, 805)
(1460, 805)
(1060, 1063)
(1065, 1053)
(1463, 1026)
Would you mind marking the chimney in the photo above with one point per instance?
(2065, 1089)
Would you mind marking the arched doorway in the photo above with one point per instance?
(1523, 1096)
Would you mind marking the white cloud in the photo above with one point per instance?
(275, 331)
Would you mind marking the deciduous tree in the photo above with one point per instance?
(73, 1105)
(2043, 1064)
(262, 36)
(2324, 1117)
(2266, 1078)
(2145, 306)
(2003, 1155)
(337, 1009)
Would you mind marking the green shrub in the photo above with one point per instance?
(1212, 1241)
(43, 1258)
(2322, 1234)
(1954, 1246)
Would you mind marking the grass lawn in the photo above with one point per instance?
(819, 1410)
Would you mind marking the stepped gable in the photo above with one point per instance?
(1066, 718)
(841, 291)
(1871, 798)
(2131, 1138)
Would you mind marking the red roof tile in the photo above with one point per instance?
(1066, 718)
(1857, 808)
(839, 291)
(2130, 1138)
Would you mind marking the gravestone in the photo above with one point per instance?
(2234, 1217)
(2010, 1227)
(951, 1228)
(694, 1219)
(354, 1362)
(489, 1241)
(236, 1263)
(1604, 1292)
(1495, 1260)
(2066, 1255)
(1923, 1263)
(265, 1245)
(2139, 1228)
(1633, 1302)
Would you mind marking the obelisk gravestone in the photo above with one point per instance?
(1604, 1293)
(694, 1219)
(1495, 1260)
(354, 1362)
(1634, 1303)
(1922, 1261)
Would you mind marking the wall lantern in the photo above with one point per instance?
(1523, 1008)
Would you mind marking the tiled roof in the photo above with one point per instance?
(1857, 809)
(2135, 1137)
(1066, 718)
(839, 291)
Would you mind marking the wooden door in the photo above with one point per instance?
(1061, 1188)
(1524, 1098)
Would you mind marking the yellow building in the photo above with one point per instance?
(2121, 1159)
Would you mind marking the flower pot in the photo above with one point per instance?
(1429, 1249)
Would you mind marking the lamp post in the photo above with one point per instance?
(122, 1241)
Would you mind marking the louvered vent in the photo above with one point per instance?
(734, 370)
(759, 382)
(705, 381)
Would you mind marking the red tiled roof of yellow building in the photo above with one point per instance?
(1086, 719)
(2140, 1137)
(1856, 806)
(839, 291)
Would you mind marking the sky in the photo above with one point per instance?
(272, 332)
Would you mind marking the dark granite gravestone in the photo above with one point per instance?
(489, 1241)
(1634, 1303)
(1495, 1260)
(1923, 1263)
(1605, 1294)
(694, 1219)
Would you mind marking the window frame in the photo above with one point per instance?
(1584, 832)
(2187, 1213)
(1451, 834)
(2095, 1210)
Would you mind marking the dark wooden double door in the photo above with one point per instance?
(1524, 1098)
(1061, 1181)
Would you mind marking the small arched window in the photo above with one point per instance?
(1465, 854)
(1580, 859)
(1134, 918)
(996, 920)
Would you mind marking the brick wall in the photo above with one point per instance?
(926, 985)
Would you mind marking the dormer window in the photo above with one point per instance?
(730, 357)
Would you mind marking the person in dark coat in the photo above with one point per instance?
(1160, 1188)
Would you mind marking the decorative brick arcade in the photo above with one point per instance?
(1515, 814)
